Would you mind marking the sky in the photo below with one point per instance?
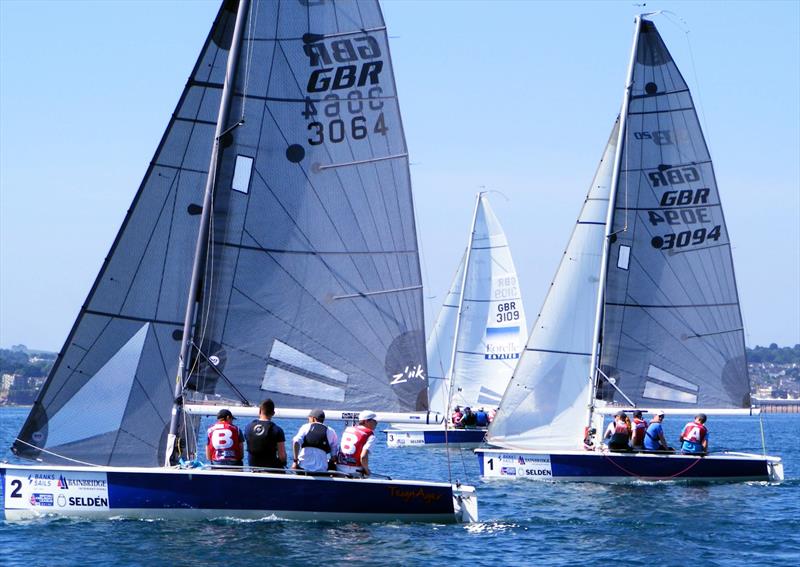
(514, 97)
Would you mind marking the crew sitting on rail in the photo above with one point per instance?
(457, 417)
(639, 430)
(225, 444)
(618, 433)
(469, 419)
(694, 437)
(481, 418)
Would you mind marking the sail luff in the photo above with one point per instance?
(623, 120)
(202, 235)
(467, 255)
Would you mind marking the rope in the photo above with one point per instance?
(629, 473)
(57, 455)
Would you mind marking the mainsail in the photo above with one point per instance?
(545, 402)
(108, 397)
(672, 330)
(311, 289)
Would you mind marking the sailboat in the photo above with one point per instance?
(476, 340)
(270, 251)
(643, 312)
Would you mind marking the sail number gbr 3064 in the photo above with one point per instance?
(349, 70)
(681, 208)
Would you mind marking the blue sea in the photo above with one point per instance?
(522, 522)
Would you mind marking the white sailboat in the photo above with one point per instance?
(477, 338)
(270, 251)
(644, 304)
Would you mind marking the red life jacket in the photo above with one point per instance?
(694, 432)
(639, 429)
(225, 440)
(351, 444)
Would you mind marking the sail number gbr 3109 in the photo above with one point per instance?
(349, 71)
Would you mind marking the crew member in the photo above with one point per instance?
(315, 445)
(356, 442)
(639, 430)
(618, 433)
(469, 419)
(654, 435)
(266, 442)
(694, 437)
(481, 418)
(457, 417)
(225, 444)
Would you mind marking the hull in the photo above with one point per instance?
(434, 436)
(128, 492)
(608, 467)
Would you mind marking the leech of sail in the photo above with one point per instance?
(381, 292)
(371, 160)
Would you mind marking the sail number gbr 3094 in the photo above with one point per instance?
(681, 208)
(349, 71)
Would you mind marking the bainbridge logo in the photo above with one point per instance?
(62, 483)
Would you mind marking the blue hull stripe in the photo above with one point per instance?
(455, 436)
(268, 492)
(611, 465)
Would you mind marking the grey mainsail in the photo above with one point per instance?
(313, 291)
(672, 333)
(107, 399)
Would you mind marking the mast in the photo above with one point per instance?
(612, 197)
(202, 235)
(461, 306)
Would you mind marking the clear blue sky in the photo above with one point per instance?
(514, 96)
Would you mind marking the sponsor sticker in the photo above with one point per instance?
(41, 499)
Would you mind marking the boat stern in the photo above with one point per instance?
(775, 469)
(465, 503)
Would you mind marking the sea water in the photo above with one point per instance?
(522, 521)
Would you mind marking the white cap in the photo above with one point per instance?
(365, 415)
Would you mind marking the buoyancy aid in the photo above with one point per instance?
(352, 443)
(639, 429)
(225, 440)
(317, 437)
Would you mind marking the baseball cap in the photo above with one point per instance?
(620, 413)
(660, 412)
(365, 415)
(317, 414)
(225, 414)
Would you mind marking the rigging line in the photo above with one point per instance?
(249, 54)
(360, 162)
(221, 374)
(43, 450)
(381, 292)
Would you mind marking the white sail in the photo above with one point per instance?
(440, 346)
(545, 403)
(477, 338)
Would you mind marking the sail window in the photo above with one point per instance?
(292, 372)
(661, 387)
(241, 174)
(624, 257)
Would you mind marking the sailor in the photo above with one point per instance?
(457, 416)
(315, 445)
(639, 429)
(225, 444)
(353, 457)
(618, 433)
(266, 442)
(491, 413)
(481, 418)
(469, 418)
(654, 435)
(694, 437)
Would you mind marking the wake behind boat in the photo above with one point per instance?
(270, 251)
(476, 340)
(644, 303)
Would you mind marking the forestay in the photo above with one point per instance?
(672, 330)
(108, 397)
(545, 402)
(312, 294)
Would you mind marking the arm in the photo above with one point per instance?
(282, 453)
(365, 461)
(208, 451)
(295, 452)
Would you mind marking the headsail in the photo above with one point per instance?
(492, 328)
(440, 345)
(672, 330)
(312, 293)
(545, 402)
(108, 398)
